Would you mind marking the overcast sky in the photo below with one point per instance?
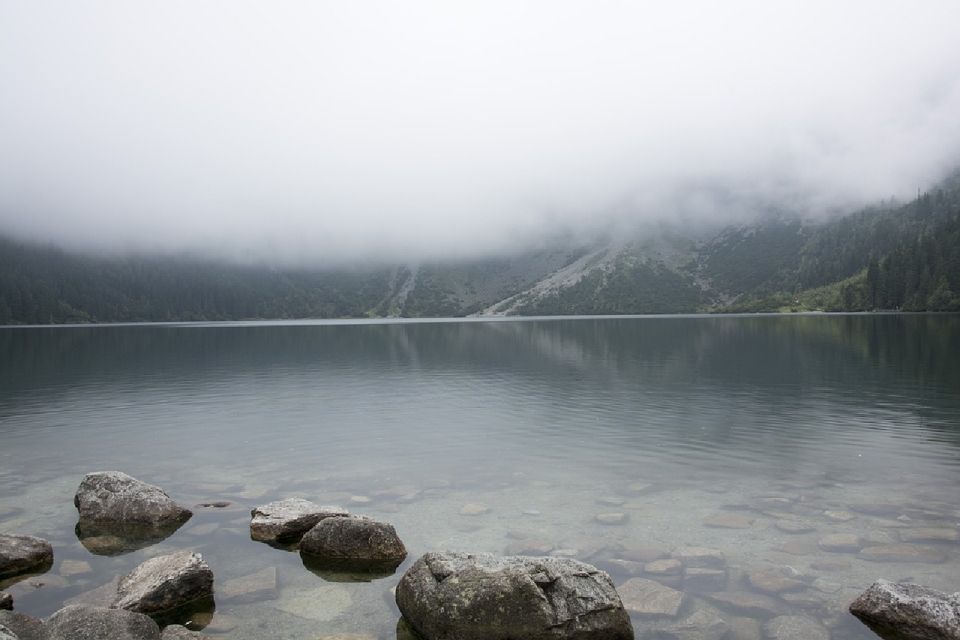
(331, 130)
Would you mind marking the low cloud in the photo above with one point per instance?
(330, 131)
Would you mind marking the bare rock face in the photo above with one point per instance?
(82, 622)
(114, 497)
(165, 583)
(285, 521)
(22, 626)
(120, 514)
(908, 612)
(24, 554)
(458, 596)
(354, 542)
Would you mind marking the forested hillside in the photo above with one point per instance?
(891, 257)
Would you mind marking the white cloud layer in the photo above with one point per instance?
(311, 130)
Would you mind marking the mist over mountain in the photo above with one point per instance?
(320, 134)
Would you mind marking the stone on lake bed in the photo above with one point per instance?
(839, 516)
(667, 567)
(727, 520)
(830, 565)
(700, 580)
(775, 580)
(323, 603)
(488, 597)
(902, 553)
(648, 598)
(701, 557)
(474, 509)
(21, 555)
(699, 625)
(795, 628)
(930, 534)
(621, 567)
(793, 526)
(70, 568)
(908, 611)
(611, 501)
(611, 518)
(748, 604)
(254, 587)
(285, 521)
(840, 543)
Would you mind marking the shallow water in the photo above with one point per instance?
(675, 422)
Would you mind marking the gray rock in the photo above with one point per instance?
(611, 518)
(6, 600)
(700, 580)
(285, 521)
(648, 598)
(748, 604)
(666, 567)
(165, 583)
(700, 625)
(903, 553)
(83, 622)
(487, 597)
(728, 520)
(24, 554)
(6, 634)
(795, 628)
(254, 587)
(115, 497)
(353, 542)
(23, 626)
(908, 612)
(700, 557)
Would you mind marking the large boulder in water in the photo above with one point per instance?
(24, 554)
(353, 542)
(112, 497)
(23, 626)
(83, 622)
(166, 584)
(458, 596)
(285, 521)
(908, 611)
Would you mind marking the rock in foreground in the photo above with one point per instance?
(488, 597)
(6, 601)
(285, 521)
(165, 583)
(114, 497)
(24, 554)
(908, 612)
(81, 622)
(353, 542)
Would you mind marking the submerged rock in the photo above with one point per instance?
(165, 583)
(930, 534)
(700, 625)
(700, 557)
(748, 604)
(611, 518)
(254, 587)
(285, 521)
(649, 598)
(840, 543)
(700, 580)
(353, 542)
(727, 520)
(903, 553)
(115, 497)
(795, 628)
(908, 612)
(82, 622)
(24, 554)
(488, 597)
(775, 580)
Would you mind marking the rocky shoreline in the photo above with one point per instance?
(526, 594)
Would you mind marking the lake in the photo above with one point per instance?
(762, 437)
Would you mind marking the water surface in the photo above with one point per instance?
(675, 422)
